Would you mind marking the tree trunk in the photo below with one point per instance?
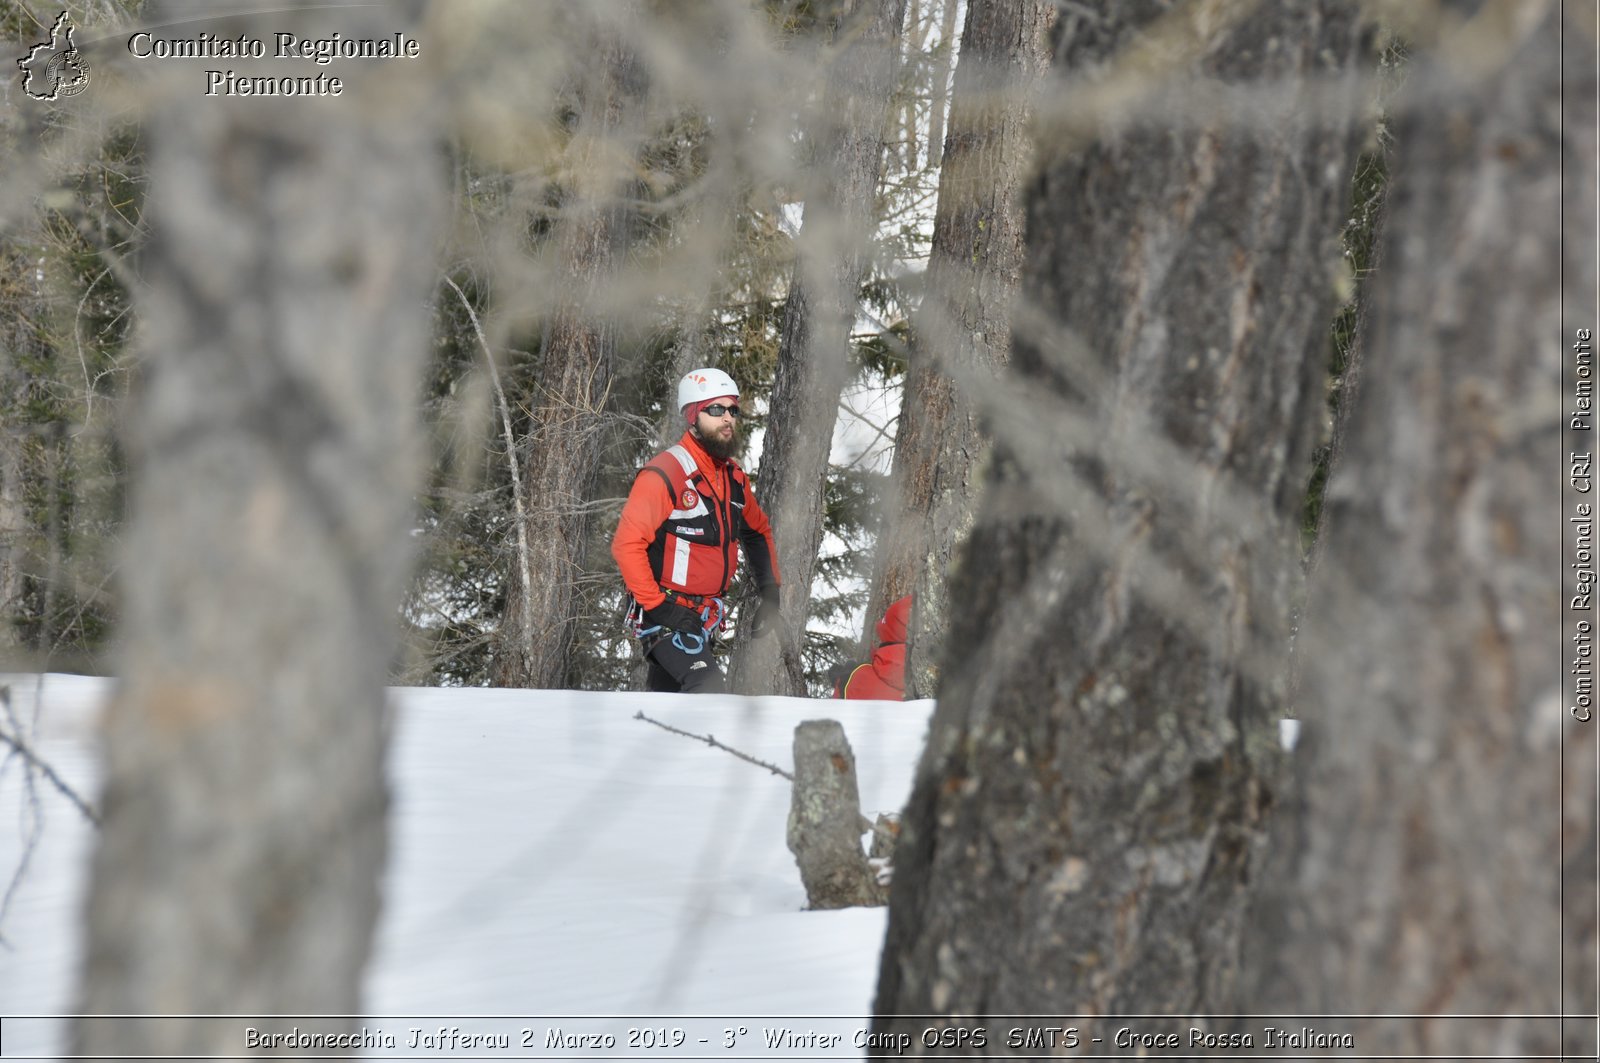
(276, 456)
(941, 90)
(909, 48)
(963, 328)
(1445, 846)
(13, 531)
(1088, 812)
(576, 363)
(21, 316)
(833, 250)
(825, 820)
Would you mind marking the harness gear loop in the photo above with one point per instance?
(713, 616)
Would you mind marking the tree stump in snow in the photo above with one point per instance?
(825, 820)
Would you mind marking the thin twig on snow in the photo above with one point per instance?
(711, 741)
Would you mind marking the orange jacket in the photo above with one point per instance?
(885, 678)
(686, 517)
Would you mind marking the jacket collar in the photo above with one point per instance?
(702, 458)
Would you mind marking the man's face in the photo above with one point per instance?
(719, 434)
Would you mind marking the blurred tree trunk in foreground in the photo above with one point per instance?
(576, 362)
(1087, 815)
(964, 324)
(21, 315)
(833, 248)
(1435, 869)
(273, 438)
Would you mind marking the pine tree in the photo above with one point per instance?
(569, 393)
(840, 188)
(963, 325)
(1088, 812)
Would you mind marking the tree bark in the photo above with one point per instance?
(962, 334)
(576, 363)
(21, 315)
(20, 318)
(13, 529)
(275, 458)
(1445, 843)
(833, 250)
(909, 48)
(825, 821)
(941, 89)
(1088, 811)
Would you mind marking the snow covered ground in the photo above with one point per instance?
(553, 858)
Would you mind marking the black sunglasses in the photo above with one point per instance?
(717, 409)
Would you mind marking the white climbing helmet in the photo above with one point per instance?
(703, 384)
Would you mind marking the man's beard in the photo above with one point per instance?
(718, 449)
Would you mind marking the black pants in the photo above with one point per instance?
(673, 671)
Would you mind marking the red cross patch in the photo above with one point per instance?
(689, 499)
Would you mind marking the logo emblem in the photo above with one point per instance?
(55, 69)
(689, 499)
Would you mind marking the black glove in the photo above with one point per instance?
(766, 617)
(674, 617)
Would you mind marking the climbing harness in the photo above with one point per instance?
(713, 612)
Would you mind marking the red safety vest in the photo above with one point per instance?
(684, 524)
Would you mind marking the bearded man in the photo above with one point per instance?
(689, 516)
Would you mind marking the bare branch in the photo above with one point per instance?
(511, 447)
(41, 765)
(711, 741)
